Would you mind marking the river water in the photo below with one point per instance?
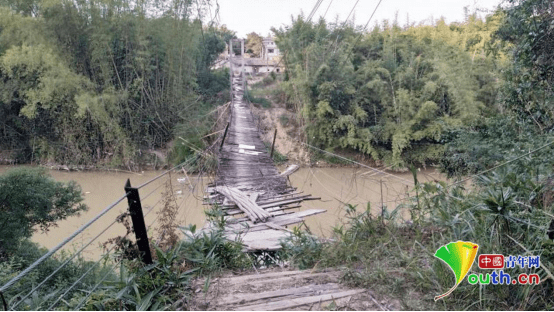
(335, 186)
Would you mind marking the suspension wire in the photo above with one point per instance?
(152, 208)
(360, 164)
(164, 173)
(62, 265)
(485, 171)
(60, 245)
(316, 7)
(11, 282)
(502, 164)
(95, 287)
(331, 192)
(80, 278)
(338, 35)
(331, 2)
(145, 197)
(361, 33)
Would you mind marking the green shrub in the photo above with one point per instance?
(32, 200)
(284, 120)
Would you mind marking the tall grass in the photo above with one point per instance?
(503, 213)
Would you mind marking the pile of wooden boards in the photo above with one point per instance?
(254, 212)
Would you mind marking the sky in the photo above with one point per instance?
(245, 16)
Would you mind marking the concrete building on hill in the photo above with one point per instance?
(269, 60)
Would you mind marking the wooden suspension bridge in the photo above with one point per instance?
(258, 203)
(257, 200)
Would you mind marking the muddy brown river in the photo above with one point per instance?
(335, 186)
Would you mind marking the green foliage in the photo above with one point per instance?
(302, 249)
(212, 252)
(256, 96)
(527, 35)
(27, 253)
(284, 120)
(394, 94)
(31, 199)
(91, 83)
(254, 44)
(524, 122)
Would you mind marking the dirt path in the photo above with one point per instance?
(278, 289)
(288, 131)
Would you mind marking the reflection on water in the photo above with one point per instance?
(335, 186)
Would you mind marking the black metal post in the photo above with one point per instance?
(273, 145)
(224, 136)
(135, 209)
(4, 303)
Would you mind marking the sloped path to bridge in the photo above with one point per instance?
(277, 289)
(257, 200)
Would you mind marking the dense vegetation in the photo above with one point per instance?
(475, 97)
(393, 92)
(100, 83)
(506, 145)
(31, 199)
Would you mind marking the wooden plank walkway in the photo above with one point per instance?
(284, 290)
(256, 198)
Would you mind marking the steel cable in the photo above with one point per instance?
(80, 278)
(60, 245)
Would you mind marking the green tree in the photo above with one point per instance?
(31, 200)
(391, 93)
(253, 44)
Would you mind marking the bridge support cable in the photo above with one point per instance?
(60, 245)
(80, 279)
(62, 266)
(80, 304)
(407, 182)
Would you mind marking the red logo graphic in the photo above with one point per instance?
(491, 261)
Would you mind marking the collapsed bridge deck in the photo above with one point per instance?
(256, 199)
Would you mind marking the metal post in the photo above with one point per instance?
(224, 136)
(273, 145)
(135, 209)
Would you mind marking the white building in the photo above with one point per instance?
(270, 60)
(270, 51)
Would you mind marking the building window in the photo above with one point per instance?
(270, 50)
(277, 69)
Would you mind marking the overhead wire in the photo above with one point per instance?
(80, 278)
(62, 266)
(60, 245)
(358, 163)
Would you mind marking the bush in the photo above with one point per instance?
(31, 199)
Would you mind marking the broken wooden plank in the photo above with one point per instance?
(296, 291)
(293, 303)
(290, 170)
(254, 212)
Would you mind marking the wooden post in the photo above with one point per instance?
(224, 136)
(242, 69)
(135, 209)
(273, 145)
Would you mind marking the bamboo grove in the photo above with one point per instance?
(391, 92)
(100, 82)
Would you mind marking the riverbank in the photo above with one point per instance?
(335, 186)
